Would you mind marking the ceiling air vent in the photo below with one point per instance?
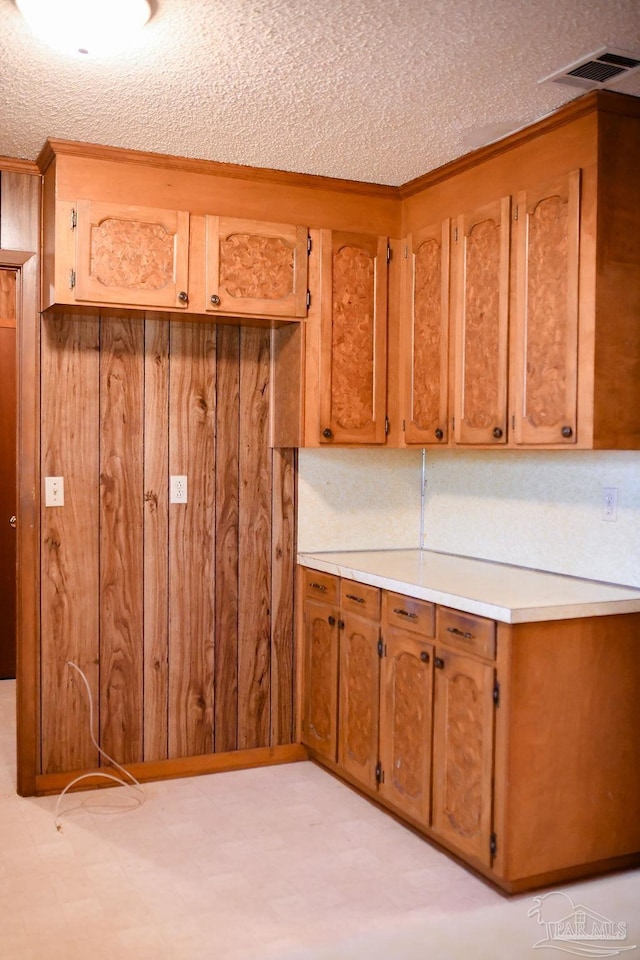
(600, 69)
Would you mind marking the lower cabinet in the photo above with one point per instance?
(498, 741)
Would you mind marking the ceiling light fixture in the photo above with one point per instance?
(85, 27)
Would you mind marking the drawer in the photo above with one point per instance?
(418, 616)
(464, 631)
(360, 598)
(320, 586)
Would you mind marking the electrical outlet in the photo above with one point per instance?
(610, 503)
(178, 490)
(54, 491)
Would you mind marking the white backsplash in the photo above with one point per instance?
(537, 509)
(364, 499)
(533, 509)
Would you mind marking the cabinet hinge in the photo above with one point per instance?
(455, 234)
(493, 844)
(309, 244)
(387, 425)
(74, 218)
(405, 251)
(513, 421)
(308, 299)
(379, 773)
(404, 426)
(388, 251)
(515, 213)
(496, 693)
(453, 423)
(72, 279)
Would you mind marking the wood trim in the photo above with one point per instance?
(52, 783)
(94, 151)
(16, 165)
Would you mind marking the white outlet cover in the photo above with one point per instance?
(178, 489)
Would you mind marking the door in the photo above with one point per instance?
(321, 675)
(359, 698)
(481, 251)
(353, 351)
(426, 335)
(8, 302)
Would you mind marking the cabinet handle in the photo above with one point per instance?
(331, 621)
(340, 624)
(405, 613)
(566, 432)
(183, 296)
(352, 596)
(438, 662)
(214, 300)
(459, 633)
(13, 521)
(439, 434)
(497, 432)
(318, 586)
(424, 656)
(326, 433)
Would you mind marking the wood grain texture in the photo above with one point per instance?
(427, 341)
(546, 317)
(406, 704)
(131, 254)
(121, 537)
(227, 539)
(254, 614)
(191, 539)
(463, 753)
(283, 562)
(359, 694)
(156, 539)
(320, 704)
(70, 541)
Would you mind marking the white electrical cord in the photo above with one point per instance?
(138, 797)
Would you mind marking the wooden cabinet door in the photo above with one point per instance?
(359, 693)
(463, 736)
(353, 338)
(321, 678)
(425, 335)
(256, 268)
(133, 256)
(406, 684)
(545, 368)
(481, 251)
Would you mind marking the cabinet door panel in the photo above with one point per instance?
(353, 338)
(256, 268)
(463, 725)
(137, 256)
(546, 318)
(406, 684)
(359, 692)
(426, 335)
(482, 315)
(321, 677)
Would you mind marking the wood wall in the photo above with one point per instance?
(181, 616)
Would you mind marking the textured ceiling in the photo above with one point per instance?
(377, 90)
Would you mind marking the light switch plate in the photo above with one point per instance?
(54, 491)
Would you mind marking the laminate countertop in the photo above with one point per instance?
(500, 591)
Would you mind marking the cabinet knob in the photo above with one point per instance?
(497, 432)
(424, 656)
(183, 296)
(214, 300)
(326, 433)
(439, 434)
(438, 662)
(331, 621)
(567, 432)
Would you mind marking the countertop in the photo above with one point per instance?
(499, 591)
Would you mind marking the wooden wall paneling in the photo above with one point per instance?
(254, 622)
(227, 546)
(156, 539)
(192, 401)
(121, 537)
(283, 561)
(70, 534)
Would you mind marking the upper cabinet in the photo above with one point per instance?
(255, 268)
(353, 338)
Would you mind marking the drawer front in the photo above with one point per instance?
(418, 616)
(360, 598)
(321, 586)
(464, 631)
